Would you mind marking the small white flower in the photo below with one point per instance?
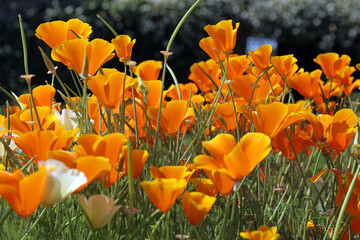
(62, 181)
(99, 208)
(66, 118)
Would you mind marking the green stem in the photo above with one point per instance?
(168, 225)
(107, 25)
(156, 226)
(183, 19)
(34, 224)
(223, 227)
(135, 116)
(130, 176)
(142, 224)
(23, 39)
(175, 81)
(34, 106)
(4, 217)
(193, 229)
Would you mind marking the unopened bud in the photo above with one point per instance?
(49, 65)
(85, 70)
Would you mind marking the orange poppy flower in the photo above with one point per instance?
(63, 156)
(123, 47)
(337, 130)
(307, 84)
(211, 68)
(247, 154)
(64, 137)
(172, 115)
(221, 180)
(23, 193)
(330, 63)
(227, 114)
(235, 160)
(208, 45)
(93, 168)
(72, 54)
(205, 186)
(43, 96)
(245, 84)
(237, 65)
(178, 172)
(346, 81)
(343, 77)
(163, 192)
(273, 117)
(56, 32)
(96, 145)
(196, 206)
(94, 115)
(185, 90)
(355, 225)
(36, 143)
(148, 70)
(285, 65)
(261, 57)
(299, 140)
(25, 120)
(262, 233)
(329, 89)
(153, 89)
(342, 129)
(223, 35)
(108, 87)
(138, 158)
(197, 101)
(91, 144)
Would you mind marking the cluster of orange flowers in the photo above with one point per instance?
(238, 94)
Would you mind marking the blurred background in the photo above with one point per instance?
(304, 28)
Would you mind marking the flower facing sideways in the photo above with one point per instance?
(163, 192)
(99, 209)
(261, 56)
(123, 47)
(236, 160)
(196, 206)
(72, 53)
(23, 193)
(223, 35)
(56, 32)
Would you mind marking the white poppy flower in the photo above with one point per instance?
(62, 181)
(66, 118)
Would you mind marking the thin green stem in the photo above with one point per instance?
(35, 223)
(152, 234)
(23, 40)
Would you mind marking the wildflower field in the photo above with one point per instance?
(231, 154)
